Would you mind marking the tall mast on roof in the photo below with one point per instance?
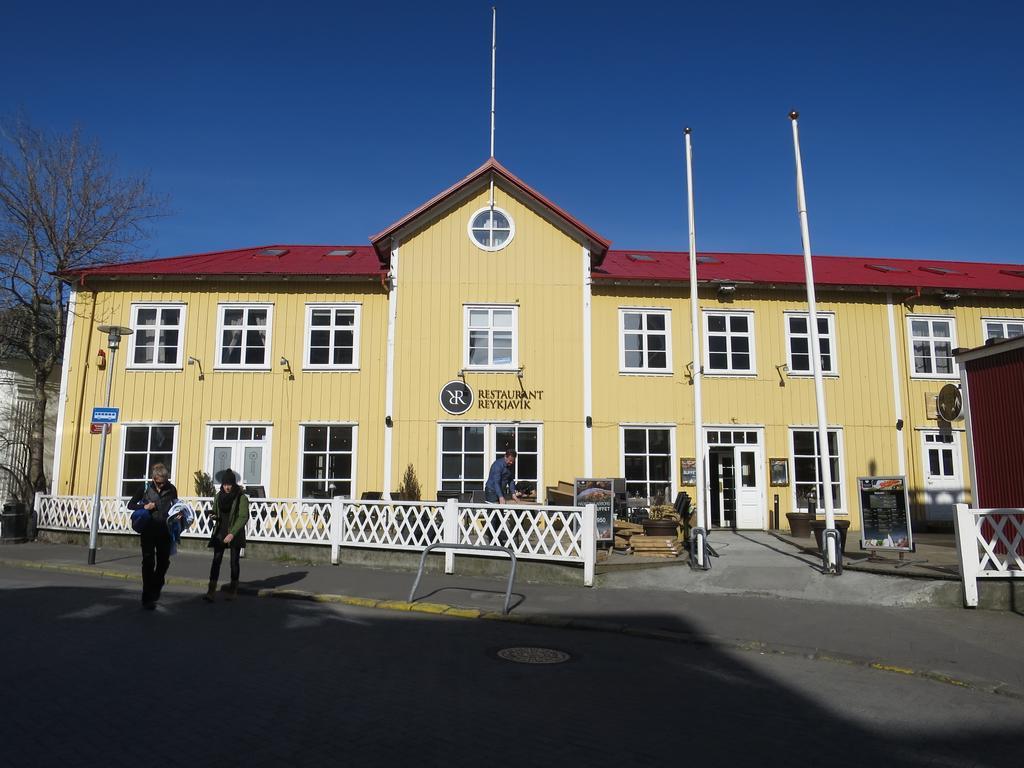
(494, 49)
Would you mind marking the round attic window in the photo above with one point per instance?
(491, 229)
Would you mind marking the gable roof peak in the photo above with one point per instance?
(381, 244)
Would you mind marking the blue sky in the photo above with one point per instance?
(302, 122)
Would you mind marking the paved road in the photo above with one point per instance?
(90, 679)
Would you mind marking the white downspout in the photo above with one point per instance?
(65, 366)
(588, 422)
(389, 385)
(897, 396)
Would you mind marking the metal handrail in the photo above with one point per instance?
(480, 547)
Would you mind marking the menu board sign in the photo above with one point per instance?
(885, 514)
(600, 493)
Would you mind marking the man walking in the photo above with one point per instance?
(157, 498)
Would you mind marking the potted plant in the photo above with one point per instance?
(800, 522)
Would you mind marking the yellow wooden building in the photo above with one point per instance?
(490, 318)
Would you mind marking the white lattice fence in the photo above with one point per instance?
(392, 524)
(990, 544)
(561, 534)
(538, 533)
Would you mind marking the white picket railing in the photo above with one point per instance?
(989, 544)
(559, 534)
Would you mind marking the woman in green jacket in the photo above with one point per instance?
(231, 510)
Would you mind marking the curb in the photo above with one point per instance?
(552, 622)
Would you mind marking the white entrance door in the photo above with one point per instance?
(943, 474)
(749, 488)
(243, 448)
(736, 477)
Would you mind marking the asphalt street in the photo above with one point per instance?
(90, 679)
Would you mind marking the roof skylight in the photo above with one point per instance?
(1013, 272)
(941, 271)
(884, 268)
(272, 252)
(708, 260)
(340, 252)
(640, 257)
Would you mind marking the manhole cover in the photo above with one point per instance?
(530, 655)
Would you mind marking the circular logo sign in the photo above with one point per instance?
(950, 403)
(456, 397)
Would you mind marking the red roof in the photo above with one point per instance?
(291, 260)
(380, 239)
(786, 269)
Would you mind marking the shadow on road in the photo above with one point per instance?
(280, 682)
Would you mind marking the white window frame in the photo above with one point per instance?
(301, 444)
(219, 343)
(130, 363)
(667, 333)
(1003, 321)
(730, 371)
(673, 468)
(830, 317)
(467, 309)
(491, 449)
(267, 449)
(356, 309)
(490, 230)
(124, 438)
(931, 339)
(844, 510)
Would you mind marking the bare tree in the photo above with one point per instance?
(62, 206)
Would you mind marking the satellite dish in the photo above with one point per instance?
(950, 403)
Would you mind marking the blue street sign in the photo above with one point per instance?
(105, 415)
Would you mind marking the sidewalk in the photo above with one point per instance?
(693, 608)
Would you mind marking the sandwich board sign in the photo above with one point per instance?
(601, 493)
(885, 514)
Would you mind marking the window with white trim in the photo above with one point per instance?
(491, 340)
(647, 461)
(159, 335)
(463, 465)
(932, 340)
(332, 336)
(467, 452)
(1000, 328)
(525, 441)
(807, 471)
(645, 341)
(491, 229)
(940, 455)
(243, 336)
(798, 342)
(729, 342)
(328, 458)
(144, 446)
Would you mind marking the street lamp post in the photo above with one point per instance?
(114, 334)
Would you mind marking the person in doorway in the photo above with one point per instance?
(231, 509)
(156, 497)
(500, 479)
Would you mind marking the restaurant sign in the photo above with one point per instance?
(508, 399)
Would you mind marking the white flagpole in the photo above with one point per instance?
(698, 419)
(819, 385)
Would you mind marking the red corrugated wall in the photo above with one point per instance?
(996, 386)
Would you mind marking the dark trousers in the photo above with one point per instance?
(156, 559)
(218, 555)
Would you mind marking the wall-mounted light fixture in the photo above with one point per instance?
(950, 296)
(197, 361)
(781, 369)
(726, 290)
(388, 421)
(288, 367)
